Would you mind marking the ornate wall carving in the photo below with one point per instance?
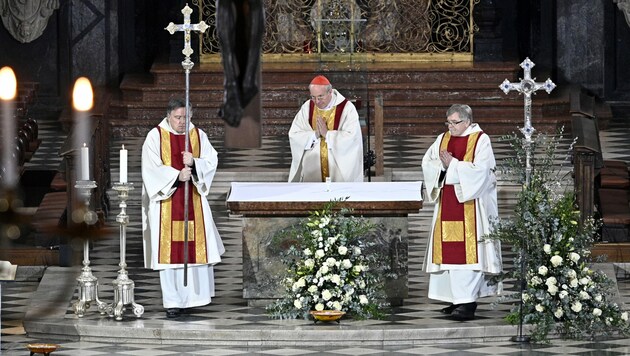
(624, 6)
(26, 20)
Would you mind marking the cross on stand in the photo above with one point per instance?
(187, 64)
(527, 86)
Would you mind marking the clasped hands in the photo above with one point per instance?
(322, 129)
(186, 172)
(446, 158)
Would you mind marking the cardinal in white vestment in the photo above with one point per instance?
(459, 177)
(166, 167)
(325, 137)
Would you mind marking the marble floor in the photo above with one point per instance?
(37, 305)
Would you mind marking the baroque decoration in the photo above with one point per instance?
(26, 20)
(563, 292)
(374, 26)
(624, 6)
(331, 266)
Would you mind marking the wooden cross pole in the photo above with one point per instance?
(187, 64)
(527, 86)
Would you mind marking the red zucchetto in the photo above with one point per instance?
(320, 80)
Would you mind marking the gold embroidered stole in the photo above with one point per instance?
(172, 209)
(329, 117)
(455, 232)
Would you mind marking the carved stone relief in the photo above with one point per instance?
(26, 20)
(624, 6)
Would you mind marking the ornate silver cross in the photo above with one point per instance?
(186, 27)
(527, 86)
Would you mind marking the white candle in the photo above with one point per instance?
(8, 89)
(85, 163)
(123, 165)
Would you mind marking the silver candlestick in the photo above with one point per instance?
(88, 283)
(123, 286)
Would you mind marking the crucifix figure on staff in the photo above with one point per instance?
(180, 237)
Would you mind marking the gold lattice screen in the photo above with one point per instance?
(304, 30)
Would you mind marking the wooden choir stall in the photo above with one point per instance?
(267, 208)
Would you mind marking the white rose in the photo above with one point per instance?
(540, 308)
(363, 299)
(361, 284)
(542, 270)
(312, 289)
(330, 261)
(584, 280)
(552, 289)
(336, 279)
(535, 281)
(319, 253)
(551, 281)
(297, 304)
(336, 305)
(346, 263)
(323, 269)
(342, 250)
(597, 312)
(598, 297)
(576, 307)
(547, 248)
(356, 251)
(525, 297)
(558, 313)
(326, 294)
(357, 269)
(310, 263)
(556, 260)
(572, 274)
(624, 316)
(574, 257)
(563, 294)
(319, 306)
(584, 295)
(573, 282)
(307, 252)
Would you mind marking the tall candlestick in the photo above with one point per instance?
(82, 100)
(8, 85)
(123, 165)
(85, 163)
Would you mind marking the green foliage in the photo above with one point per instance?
(330, 267)
(561, 289)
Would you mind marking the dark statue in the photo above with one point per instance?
(240, 28)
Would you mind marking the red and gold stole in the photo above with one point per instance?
(333, 118)
(172, 209)
(455, 232)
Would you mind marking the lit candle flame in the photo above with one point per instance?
(82, 95)
(8, 83)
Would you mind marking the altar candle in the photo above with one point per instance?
(8, 86)
(123, 165)
(85, 163)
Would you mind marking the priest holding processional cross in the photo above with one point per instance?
(178, 166)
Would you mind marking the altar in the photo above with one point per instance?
(268, 208)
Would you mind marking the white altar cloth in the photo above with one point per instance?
(318, 192)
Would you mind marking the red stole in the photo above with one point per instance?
(172, 209)
(455, 232)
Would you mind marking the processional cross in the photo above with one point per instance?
(527, 86)
(187, 64)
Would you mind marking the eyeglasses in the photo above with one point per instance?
(319, 97)
(454, 123)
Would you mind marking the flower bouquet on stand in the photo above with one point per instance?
(331, 269)
(561, 290)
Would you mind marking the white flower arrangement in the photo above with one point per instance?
(331, 266)
(562, 291)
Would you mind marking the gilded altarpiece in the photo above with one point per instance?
(311, 30)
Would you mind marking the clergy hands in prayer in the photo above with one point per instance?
(322, 129)
(446, 158)
(188, 158)
(185, 174)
